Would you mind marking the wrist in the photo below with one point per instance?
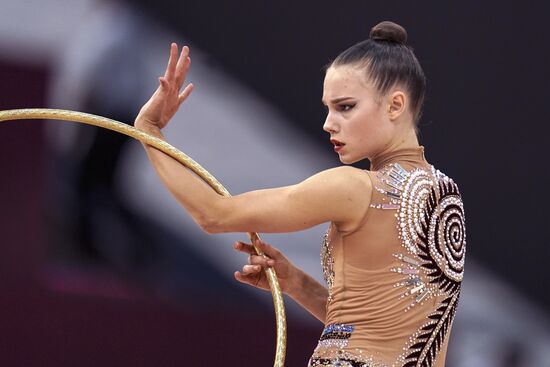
(148, 127)
(296, 283)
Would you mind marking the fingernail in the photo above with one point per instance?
(270, 262)
(256, 267)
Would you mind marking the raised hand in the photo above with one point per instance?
(253, 273)
(166, 100)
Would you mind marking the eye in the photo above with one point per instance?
(346, 107)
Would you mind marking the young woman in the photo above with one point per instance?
(393, 255)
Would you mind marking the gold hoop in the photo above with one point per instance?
(89, 119)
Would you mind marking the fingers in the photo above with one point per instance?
(254, 259)
(182, 66)
(250, 279)
(261, 261)
(164, 85)
(251, 269)
(266, 248)
(251, 272)
(171, 67)
(269, 250)
(177, 67)
(186, 92)
(244, 247)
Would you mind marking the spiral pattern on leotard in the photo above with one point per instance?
(415, 193)
(431, 224)
(432, 227)
(446, 235)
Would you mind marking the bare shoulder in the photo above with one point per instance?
(346, 190)
(346, 176)
(341, 186)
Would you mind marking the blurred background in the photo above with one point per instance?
(99, 266)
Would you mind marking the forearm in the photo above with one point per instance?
(310, 294)
(192, 192)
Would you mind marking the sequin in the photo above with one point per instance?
(337, 357)
(327, 263)
(430, 265)
(430, 222)
(335, 335)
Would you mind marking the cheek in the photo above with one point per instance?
(369, 132)
(367, 125)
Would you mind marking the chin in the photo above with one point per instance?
(346, 160)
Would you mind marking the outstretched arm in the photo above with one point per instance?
(340, 195)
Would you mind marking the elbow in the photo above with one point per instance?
(215, 220)
(210, 225)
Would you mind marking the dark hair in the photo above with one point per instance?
(389, 62)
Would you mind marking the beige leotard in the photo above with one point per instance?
(394, 282)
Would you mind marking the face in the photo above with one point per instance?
(357, 120)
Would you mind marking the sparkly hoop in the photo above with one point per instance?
(89, 119)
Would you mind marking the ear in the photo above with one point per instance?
(397, 103)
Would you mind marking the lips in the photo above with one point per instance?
(337, 144)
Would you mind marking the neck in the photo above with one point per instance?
(406, 144)
(407, 140)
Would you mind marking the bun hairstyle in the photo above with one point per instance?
(388, 62)
(388, 31)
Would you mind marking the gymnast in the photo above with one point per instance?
(393, 254)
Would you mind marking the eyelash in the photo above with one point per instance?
(342, 107)
(346, 107)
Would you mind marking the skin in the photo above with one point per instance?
(367, 123)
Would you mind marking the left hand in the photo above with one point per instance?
(253, 272)
(166, 100)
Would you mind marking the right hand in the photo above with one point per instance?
(253, 273)
(166, 100)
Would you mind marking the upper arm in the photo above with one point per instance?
(341, 195)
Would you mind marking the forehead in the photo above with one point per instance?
(347, 81)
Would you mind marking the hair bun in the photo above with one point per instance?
(388, 31)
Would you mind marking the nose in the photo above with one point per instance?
(330, 126)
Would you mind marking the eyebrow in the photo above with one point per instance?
(338, 100)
